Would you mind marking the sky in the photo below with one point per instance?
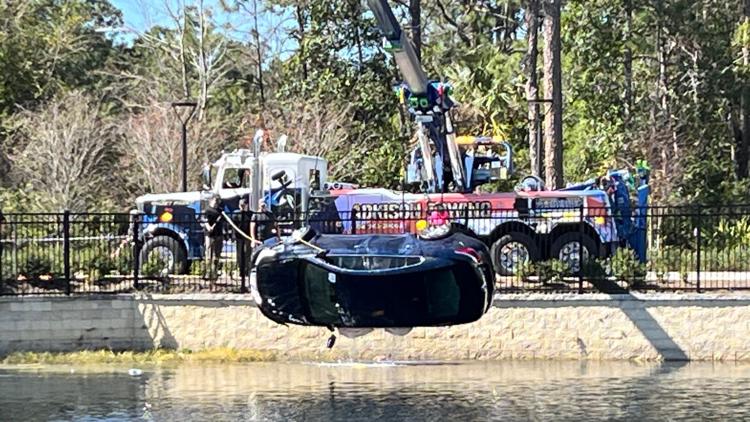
(140, 15)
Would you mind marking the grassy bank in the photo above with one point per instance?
(152, 357)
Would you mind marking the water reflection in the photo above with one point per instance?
(536, 390)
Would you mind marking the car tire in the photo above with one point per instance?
(566, 240)
(166, 245)
(502, 260)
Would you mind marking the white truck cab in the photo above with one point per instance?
(170, 221)
(235, 175)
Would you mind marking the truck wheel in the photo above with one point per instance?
(512, 251)
(169, 251)
(567, 248)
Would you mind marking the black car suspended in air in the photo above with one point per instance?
(374, 281)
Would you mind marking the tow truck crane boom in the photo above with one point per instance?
(399, 44)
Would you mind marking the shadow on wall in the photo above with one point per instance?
(636, 309)
(153, 331)
(654, 333)
(153, 328)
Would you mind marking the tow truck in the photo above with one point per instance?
(589, 219)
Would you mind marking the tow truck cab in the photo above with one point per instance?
(169, 223)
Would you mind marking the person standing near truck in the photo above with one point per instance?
(263, 224)
(213, 226)
(242, 220)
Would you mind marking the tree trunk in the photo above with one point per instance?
(259, 53)
(301, 27)
(415, 11)
(628, 65)
(743, 149)
(553, 139)
(532, 87)
(203, 65)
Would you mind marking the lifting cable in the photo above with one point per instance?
(238, 230)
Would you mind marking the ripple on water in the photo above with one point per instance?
(408, 391)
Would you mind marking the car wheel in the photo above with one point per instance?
(512, 251)
(573, 248)
(167, 250)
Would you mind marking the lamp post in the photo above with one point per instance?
(188, 109)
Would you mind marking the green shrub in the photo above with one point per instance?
(36, 262)
(8, 271)
(671, 259)
(552, 270)
(627, 267)
(123, 263)
(526, 271)
(100, 266)
(231, 267)
(728, 233)
(155, 266)
(196, 268)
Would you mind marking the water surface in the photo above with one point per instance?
(463, 391)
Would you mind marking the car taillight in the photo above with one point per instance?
(471, 253)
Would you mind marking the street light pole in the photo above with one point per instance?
(189, 107)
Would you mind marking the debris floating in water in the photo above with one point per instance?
(135, 372)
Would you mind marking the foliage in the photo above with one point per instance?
(62, 151)
(729, 233)
(627, 267)
(662, 81)
(552, 270)
(155, 266)
(684, 261)
(35, 263)
(47, 46)
(8, 271)
(95, 265)
(196, 268)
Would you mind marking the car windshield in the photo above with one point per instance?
(429, 297)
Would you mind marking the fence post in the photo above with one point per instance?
(66, 250)
(353, 218)
(580, 250)
(241, 242)
(698, 253)
(2, 236)
(136, 250)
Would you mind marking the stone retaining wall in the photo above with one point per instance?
(594, 326)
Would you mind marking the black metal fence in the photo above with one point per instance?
(688, 249)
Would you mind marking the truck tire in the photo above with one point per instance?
(169, 250)
(567, 246)
(511, 251)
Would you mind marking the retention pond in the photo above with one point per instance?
(466, 391)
